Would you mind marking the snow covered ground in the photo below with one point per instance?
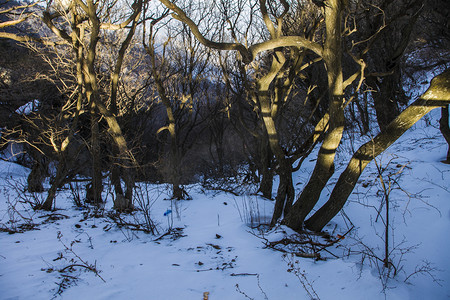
(212, 247)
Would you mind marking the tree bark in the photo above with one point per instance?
(37, 174)
(61, 171)
(57, 182)
(324, 168)
(445, 130)
(95, 188)
(86, 12)
(266, 184)
(93, 95)
(437, 95)
(285, 192)
(93, 192)
(386, 106)
(118, 172)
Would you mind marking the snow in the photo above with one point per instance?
(214, 246)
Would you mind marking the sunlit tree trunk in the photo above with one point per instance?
(94, 191)
(285, 191)
(324, 168)
(122, 163)
(75, 40)
(437, 95)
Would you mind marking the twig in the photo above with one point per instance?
(83, 264)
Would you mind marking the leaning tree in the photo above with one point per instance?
(338, 25)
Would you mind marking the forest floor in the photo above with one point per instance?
(217, 242)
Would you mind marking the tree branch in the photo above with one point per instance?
(25, 39)
(286, 41)
(247, 54)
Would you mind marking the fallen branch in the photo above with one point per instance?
(243, 274)
(88, 267)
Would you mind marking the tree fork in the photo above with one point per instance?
(437, 95)
(324, 168)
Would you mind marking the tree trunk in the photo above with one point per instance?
(92, 92)
(115, 179)
(363, 112)
(177, 191)
(93, 191)
(175, 159)
(268, 112)
(174, 172)
(285, 193)
(57, 182)
(285, 187)
(37, 175)
(437, 95)
(95, 188)
(324, 168)
(445, 130)
(266, 184)
(121, 158)
(86, 74)
(386, 107)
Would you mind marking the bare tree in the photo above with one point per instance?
(80, 25)
(179, 71)
(330, 51)
(13, 14)
(242, 110)
(284, 53)
(437, 95)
